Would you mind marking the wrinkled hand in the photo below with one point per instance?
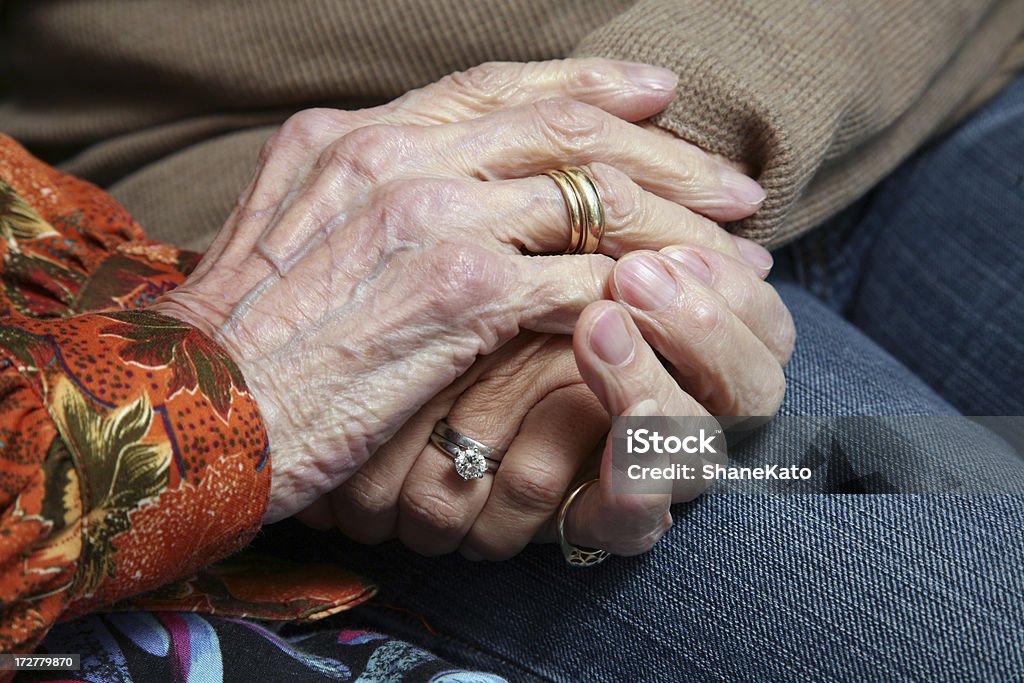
(368, 265)
(725, 335)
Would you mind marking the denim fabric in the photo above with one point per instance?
(931, 264)
(799, 588)
(745, 587)
(927, 271)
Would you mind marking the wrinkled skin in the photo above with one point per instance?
(377, 255)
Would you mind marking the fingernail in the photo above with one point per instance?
(610, 339)
(644, 283)
(646, 408)
(753, 253)
(650, 77)
(740, 187)
(693, 263)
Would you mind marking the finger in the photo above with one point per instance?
(530, 215)
(625, 89)
(285, 162)
(759, 258)
(437, 507)
(743, 167)
(620, 523)
(479, 297)
(620, 367)
(530, 139)
(555, 440)
(718, 360)
(623, 372)
(550, 292)
(318, 515)
(365, 507)
(374, 159)
(752, 300)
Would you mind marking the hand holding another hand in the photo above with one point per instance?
(724, 334)
(377, 254)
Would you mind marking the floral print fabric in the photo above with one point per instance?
(132, 455)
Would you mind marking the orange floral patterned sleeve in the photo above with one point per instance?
(131, 452)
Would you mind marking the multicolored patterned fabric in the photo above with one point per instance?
(132, 455)
(192, 648)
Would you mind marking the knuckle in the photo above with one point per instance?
(533, 489)
(375, 138)
(744, 293)
(292, 132)
(517, 363)
(425, 507)
(364, 497)
(270, 148)
(642, 511)
(570, 126)
(530, 372)
(462, 277)
(302, 131)
(645, 542)
(486, 82)
(705, 318)
(307, 125)
(694, 172)
(590, 74)
(367, 152)
(758, 303)
(490, 398)
(528, 377)
(760, 395)
(405, 207)
(620, 196)
(715, 240)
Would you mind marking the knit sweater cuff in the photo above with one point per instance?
(800, 91)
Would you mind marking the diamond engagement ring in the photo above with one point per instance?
(472, 459)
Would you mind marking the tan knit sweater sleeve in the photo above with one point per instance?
(823, 98)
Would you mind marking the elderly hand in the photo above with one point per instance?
(725, 334)
(367, 266)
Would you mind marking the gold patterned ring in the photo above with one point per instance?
(574, 554)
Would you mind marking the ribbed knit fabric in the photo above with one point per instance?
(164, 102)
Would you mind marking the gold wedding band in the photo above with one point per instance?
(574, 554)
(583, 202)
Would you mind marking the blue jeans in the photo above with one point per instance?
(910, 302)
